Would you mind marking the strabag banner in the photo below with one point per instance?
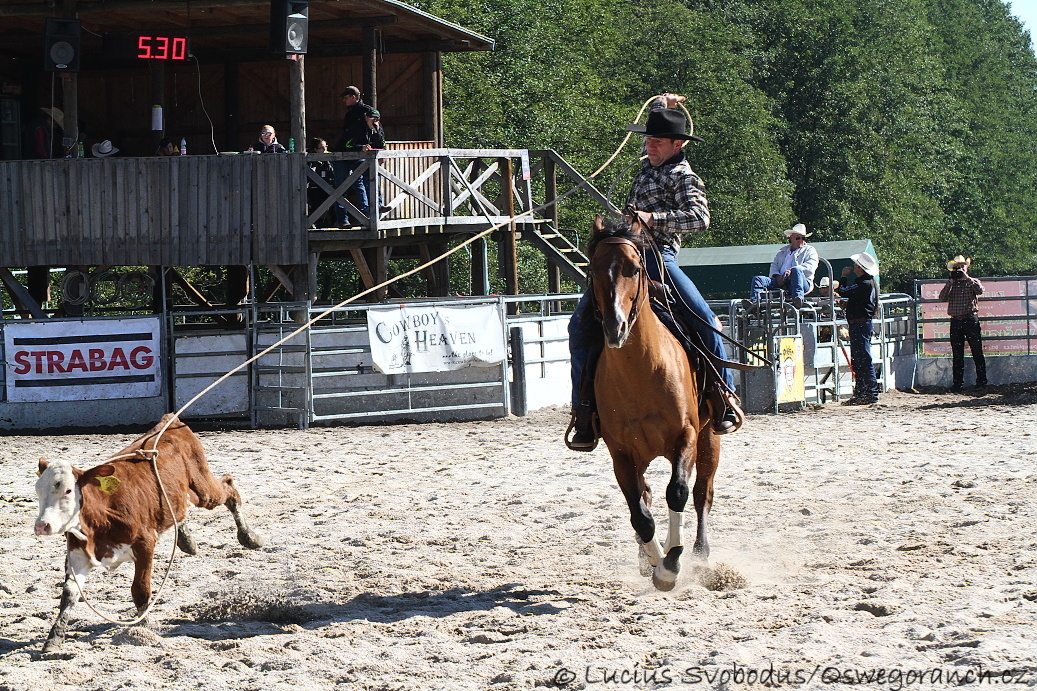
(80, 361)
(430, 338)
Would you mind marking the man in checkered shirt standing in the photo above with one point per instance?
(961, 293)
(669, 198)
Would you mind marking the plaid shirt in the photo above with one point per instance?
(961, 295)
(676, 198)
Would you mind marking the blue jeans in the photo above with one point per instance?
(865, 384)
(796, 286)
(689, 302)
(343, 169)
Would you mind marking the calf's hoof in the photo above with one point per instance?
(51, 647)
(185, 541)
(249, 538)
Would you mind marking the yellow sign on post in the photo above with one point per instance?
(789, 377)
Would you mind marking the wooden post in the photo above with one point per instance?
(297, 90)
(370, 51)
(554, 274)
(237, 288)
(70, 90)
(381, 270)
(509, 256)
(480, 268)
(433, 98)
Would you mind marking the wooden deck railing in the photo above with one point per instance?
(246, 209)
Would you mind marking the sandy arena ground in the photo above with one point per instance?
(892, 540)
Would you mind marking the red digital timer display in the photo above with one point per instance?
(161, 47)
(146, 46)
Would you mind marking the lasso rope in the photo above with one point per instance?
(152, 453)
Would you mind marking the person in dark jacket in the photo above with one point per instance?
(268, 143)
(862, 304)
(315, 195)
(355, 137)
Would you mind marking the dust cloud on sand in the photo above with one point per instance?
(892, 539)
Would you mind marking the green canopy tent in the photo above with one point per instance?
(724, 273)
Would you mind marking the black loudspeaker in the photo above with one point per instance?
(289, 26)
(61, 45)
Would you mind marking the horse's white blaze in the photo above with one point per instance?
(675, 534)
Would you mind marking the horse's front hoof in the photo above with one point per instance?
(663, 583)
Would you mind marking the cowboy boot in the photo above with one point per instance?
(585, 433)
(583, 423)
(731, 417)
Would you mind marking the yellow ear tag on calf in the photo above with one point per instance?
(109, 483)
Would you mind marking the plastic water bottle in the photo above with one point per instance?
(183, 146)
(291, 145)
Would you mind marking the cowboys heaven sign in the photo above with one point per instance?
(432, 338)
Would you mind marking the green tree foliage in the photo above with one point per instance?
(990, 68)
(910, 122)
(868, 127)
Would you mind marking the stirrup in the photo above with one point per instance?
(730, 407)
(582, 445)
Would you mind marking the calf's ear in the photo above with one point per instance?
(103, 470)
(44, 464)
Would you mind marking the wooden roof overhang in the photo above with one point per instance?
(235, 29)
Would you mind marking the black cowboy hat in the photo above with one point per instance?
(667, 123)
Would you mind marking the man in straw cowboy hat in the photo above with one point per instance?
(792, 269)
(862, 303)
(960, 293)
(669, 198)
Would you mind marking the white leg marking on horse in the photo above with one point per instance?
(675, 534)
(654, 552)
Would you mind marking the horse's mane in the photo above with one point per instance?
(616, 228)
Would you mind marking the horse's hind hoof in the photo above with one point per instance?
(644, 565)
(249, 539)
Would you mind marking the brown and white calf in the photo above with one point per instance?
(115, 512)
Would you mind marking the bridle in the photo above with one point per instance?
(642, 283)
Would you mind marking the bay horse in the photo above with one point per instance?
(648, 400)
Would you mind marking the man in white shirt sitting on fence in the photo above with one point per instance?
(792, 269)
